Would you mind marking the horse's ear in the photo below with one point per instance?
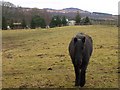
(75, 40)
(83, 39)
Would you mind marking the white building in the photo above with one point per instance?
(71, 22)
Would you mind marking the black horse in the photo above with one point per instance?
(80, 50)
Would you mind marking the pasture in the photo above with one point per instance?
(39, 58)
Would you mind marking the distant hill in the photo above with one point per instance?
(75, 10)
(13, 13)
(71, 12)
(102, 13)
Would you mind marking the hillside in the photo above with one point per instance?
(71, 12)
(15, 14)
(68, 12)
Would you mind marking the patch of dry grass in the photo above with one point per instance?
(40, 58)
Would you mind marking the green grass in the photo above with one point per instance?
(28, 54)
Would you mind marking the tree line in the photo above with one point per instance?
(15, 14)
(34, 18)
(38, 21)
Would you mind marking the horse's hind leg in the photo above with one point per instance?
(83, 75)
(77, 75)
(82, 78)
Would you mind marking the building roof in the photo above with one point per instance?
(16, 23)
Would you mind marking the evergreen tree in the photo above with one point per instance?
(4, 23)
(37, 21)
(87, 21)
(23, 24)
(64, 22)
(56, 21)
(11, 24)
(42, 23)
(32, 24)
(78, 18)
(53, 22)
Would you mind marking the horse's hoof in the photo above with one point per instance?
(82, 84)
(76, 84)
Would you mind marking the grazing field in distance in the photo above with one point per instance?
(39, 58)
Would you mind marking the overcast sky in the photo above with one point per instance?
(105, 6)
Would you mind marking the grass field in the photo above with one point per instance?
(39, 58)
